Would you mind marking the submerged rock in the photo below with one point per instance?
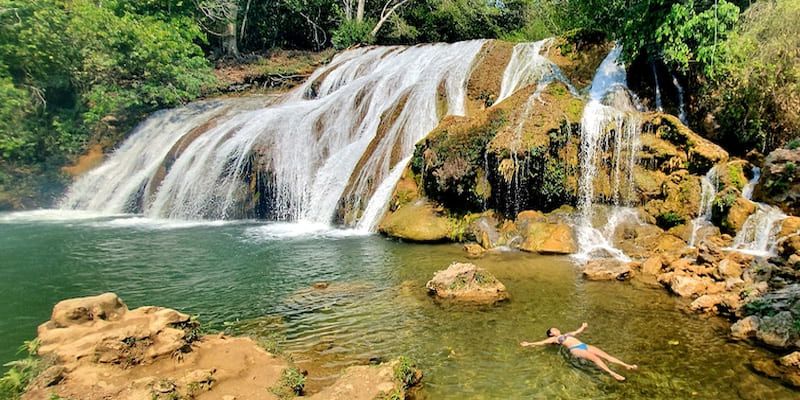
(467, 283)
(607, 269)
(786, 368)
(369, 382)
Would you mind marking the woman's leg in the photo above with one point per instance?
(586, 354)
(602, 354)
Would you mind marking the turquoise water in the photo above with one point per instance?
(257, 278)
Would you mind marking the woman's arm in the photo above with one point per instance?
(539, 343)
(579, 330)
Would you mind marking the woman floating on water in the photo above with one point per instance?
(581, 350)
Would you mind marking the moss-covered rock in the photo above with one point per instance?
(702, 153)
(467, 283)
(417, 221)
(780, 183)
(730, 210)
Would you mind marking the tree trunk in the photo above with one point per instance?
(360, 11)
(230, 45)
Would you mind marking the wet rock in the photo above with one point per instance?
(745, 328)
(417, 221)
(548, 238)
(474, 250)
(780, 181)
(484, 231)
(786, 368)
(731, 210)
(320, 285)
(467, 283)
(606, 270)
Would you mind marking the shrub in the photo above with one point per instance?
(352, 32)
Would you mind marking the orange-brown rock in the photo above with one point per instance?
(548, 238)
(607, 269)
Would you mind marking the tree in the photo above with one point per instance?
(221, 21)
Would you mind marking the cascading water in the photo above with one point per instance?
(603, 111)
(759, 234)
(342, 133)
(659, 107)
(708, 184)
(681, 101)
(527, 66)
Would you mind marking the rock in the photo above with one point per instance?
(652, 266)
(706, 303)
(369, 382)
(104, 307)
(729, 268)
(548, 238)
(785, 368)
(474, 250)
(777, 330)
(780, 181)
(607, 269)
(320, 285)
(484, 230)
(688, 286)
(228, 397)
(467, 283)
(745, 328)
(417, 222)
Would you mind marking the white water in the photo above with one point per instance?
(605, 110)
(759, 234)
(708, 184)
(380, 200)
(332, 135)
(681, 101)
(659, 107)
(528, 66)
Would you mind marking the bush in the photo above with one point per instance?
(21, 372)
(352, 32)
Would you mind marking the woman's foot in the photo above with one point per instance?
(618, 376)
(631, 367)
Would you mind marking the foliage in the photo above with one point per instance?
(21, 372)
(405, 371)
(71, 68)
(352, 32)
(669, 219)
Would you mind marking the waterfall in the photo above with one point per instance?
(708, 184)
(659, 107)
(759, 234)
(334, 140)
(609, 106)
(681, 101)
(747, 190)
(528, 66)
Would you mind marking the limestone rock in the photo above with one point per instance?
(104, 307)
(652, 266)
(417, 221)
(780, 181)
(777, 330)
(467, 283)
(607, 269)
(548, 238)
(474, 250)
(745, 328)
(688, 286)
(786, 368)
(368, 382)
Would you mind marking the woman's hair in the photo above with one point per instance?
(550, 332)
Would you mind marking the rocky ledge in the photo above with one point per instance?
(96, 348)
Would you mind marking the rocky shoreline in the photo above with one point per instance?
(97, 348)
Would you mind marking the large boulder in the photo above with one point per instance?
(417, 221)
(730, 210)
(548, 238)
(780, 182)
(467, 283)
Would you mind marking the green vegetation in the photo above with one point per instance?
(669, 219)
(21, 372)
(292, 384)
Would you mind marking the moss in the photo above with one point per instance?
(669, 220)
(736, 175)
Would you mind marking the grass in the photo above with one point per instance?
(21, 372)
(292, 383)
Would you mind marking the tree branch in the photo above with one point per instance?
(386, 13)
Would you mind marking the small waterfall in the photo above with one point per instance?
(609, 106)
(659, 107)
(380, 200)
(336, 139)
(759, 234)
(528, 66)
(709, 184)
(747, 190)
(681, 100)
